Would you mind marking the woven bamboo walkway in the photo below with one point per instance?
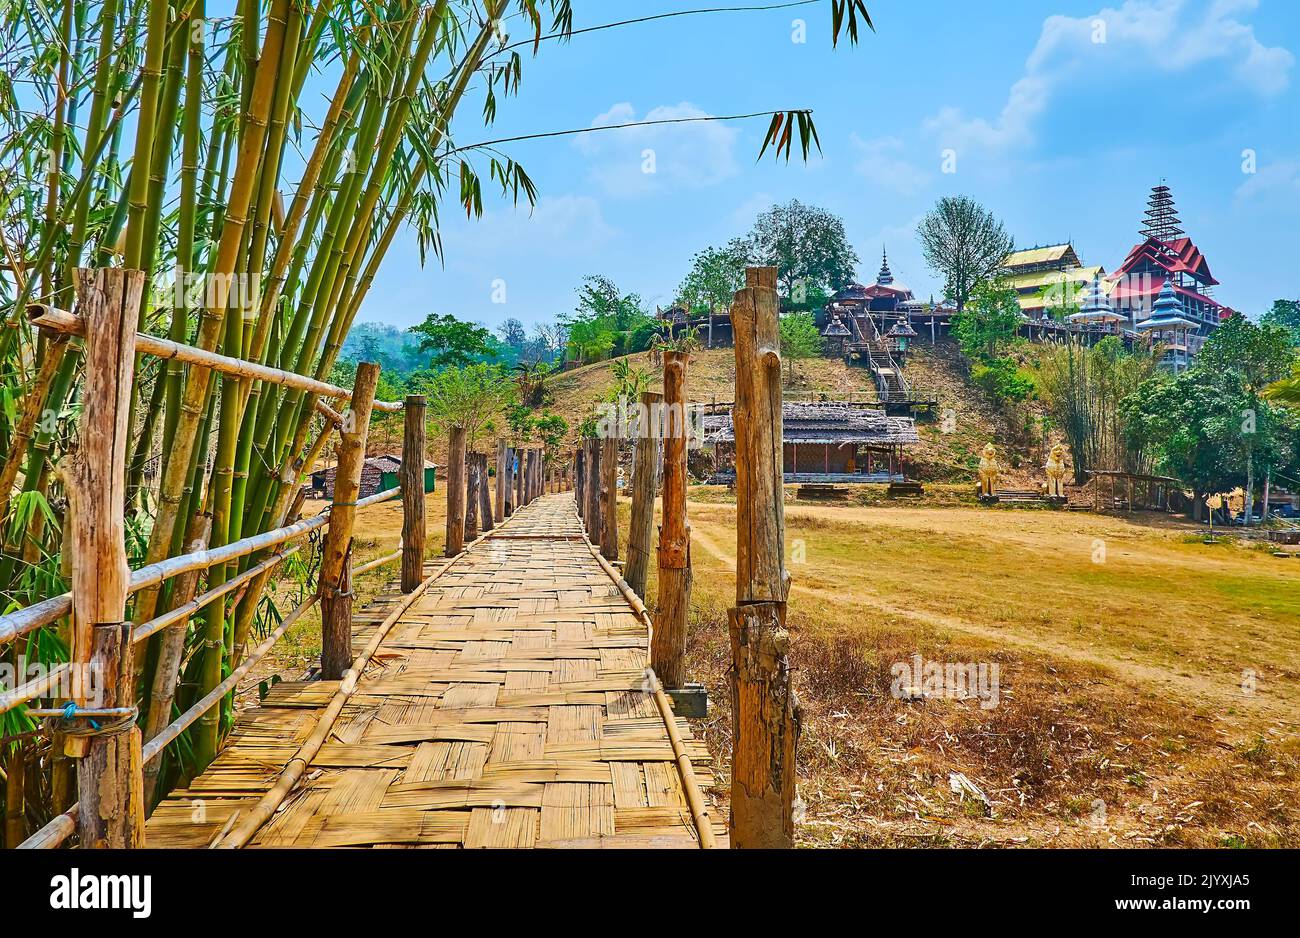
(506, 708)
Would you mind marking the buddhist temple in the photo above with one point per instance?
(1047, 275)
(1095, 312)
(1166, 257)
(1170, 329)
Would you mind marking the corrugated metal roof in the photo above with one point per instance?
(1052, 252)
(826, 422)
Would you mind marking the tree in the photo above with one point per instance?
(1285, 313)
(1083, 387)
(711, 283)
(453, 342)
(467, 396)
(800, 339)
(990, 323)
(807, 245)
(964, 243)
(604, 320)
(1246, 358)
(513, 334)
(551, 430)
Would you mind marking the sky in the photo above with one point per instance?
(1058, 116)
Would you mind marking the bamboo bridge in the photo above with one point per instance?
(509, 705)
(507, 696)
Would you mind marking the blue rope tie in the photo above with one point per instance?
(70, 713)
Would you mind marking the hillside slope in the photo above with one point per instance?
(949, 450)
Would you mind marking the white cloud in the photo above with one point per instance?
(880, 161)
(1278, 183)
(1168, 36)
(638, 161)
(565, 224)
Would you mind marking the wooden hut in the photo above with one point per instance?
(825, 441)
(378, 474)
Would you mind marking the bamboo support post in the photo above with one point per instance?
(498, 508)
(668, 645)
(508, 482)
(109, 768)
(485, 495)
(455, 492)
(580, 480)
(764, 706)
(335, 574)
(645, 462)
(609, 497)
(473, 483)
(414, 523)
(592, 495)
(521, 470)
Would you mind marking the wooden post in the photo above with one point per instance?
(414, 524)
(668, 645)
(592, 496)
(500, 507)
(508, 481)
(645, 463)
(335, 567)
(520, 473)
(455, 492)
(473, 482)
(764, 706)
(485, 495)
(609, 497)
(110, 777)
(580, 485)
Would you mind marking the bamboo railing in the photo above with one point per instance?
(110, 766)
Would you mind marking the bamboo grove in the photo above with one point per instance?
(257, 159)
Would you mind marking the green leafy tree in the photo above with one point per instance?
(551, 429)
(963, 243)
(807, 245)
(453, 342)
(468, 396)
(1285, 313)
(990, 323)
(800, 339)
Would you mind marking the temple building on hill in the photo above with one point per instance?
(1167, 255)
(885, 302)
(1043, 272)
(1168, 327)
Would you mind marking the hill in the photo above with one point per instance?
(949, 448)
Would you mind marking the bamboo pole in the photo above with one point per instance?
(485, 495)
(668, 650)
(499, 509)
(644, 483)
(764, 706)
(335, 577)
(414, 521)
(109, 770)
(609, 497)
(171, 650)
(455, 492)
(62, 322)
(472, 484)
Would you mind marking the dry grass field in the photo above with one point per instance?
(1149, 683)
(1126, 713)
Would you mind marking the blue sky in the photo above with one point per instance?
(1060, 116)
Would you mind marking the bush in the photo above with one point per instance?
(1004, 379)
